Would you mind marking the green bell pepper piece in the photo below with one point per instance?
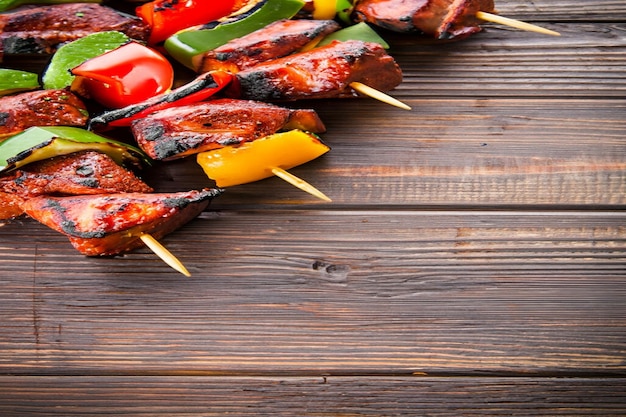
(359, 32)
(72, 54)
(39, 143)
(12, 81)
(344, 10)
(187, 44)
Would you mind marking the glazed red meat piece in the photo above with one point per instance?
(110, 224)
(276, 40)
(323, 72)
(444, 19)
(184, 130)
(40, 108)
(40, 30)
(85, 172)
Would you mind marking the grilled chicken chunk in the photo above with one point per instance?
(85, 172)
(324, 72)
(276, 40)
(184, 130)
(40, 30)
(40, 108)
(113, 223)
(443, 19)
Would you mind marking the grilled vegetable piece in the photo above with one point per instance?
(256, 160)
(276, 40)
(442, 19)
(201, 88)
(324, 72)
(327, 9)
(40, 108)
(357, 32)
(181, 131)
(72, 54)
(111, 224)
(13, 81)
(40, 30)
(124, 76)
(78, 173)
(39, 143)
(167, 17)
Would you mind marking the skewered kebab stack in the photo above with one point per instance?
(271, 74)
(78, 173)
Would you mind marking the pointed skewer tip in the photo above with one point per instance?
(300, 183)
(518, 24)
(165, 255)
(378, 95)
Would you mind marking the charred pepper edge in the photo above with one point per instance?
(209, 81)
(14, 153)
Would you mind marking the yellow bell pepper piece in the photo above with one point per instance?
(324, 9)
(253, 161)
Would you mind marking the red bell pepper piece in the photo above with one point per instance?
(199, 89)
(126, 75)
(166, 17)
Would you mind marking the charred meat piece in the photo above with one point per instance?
(10, 205)
(40, 30)
(324, 72)
(113, 223)
(276, 40)
(85, 172)
(40, 108)
(442, 19)
(184, 130)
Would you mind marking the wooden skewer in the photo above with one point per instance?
(300, 183)
(518, 24)
(164, 254)
(378, 95)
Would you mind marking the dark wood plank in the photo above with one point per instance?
(587, 60)
(340, 292)
(564, 10)
(314, 396)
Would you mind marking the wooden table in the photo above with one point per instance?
(472, 262)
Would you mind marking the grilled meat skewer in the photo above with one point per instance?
(111, 224)
(442, 19)
(276, 40)
(180, 131)
(78, 173)
(323, 72)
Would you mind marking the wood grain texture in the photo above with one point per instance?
(313, 396)
(473, 261)
(565, 11)
(304, 292)
(585, 61)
